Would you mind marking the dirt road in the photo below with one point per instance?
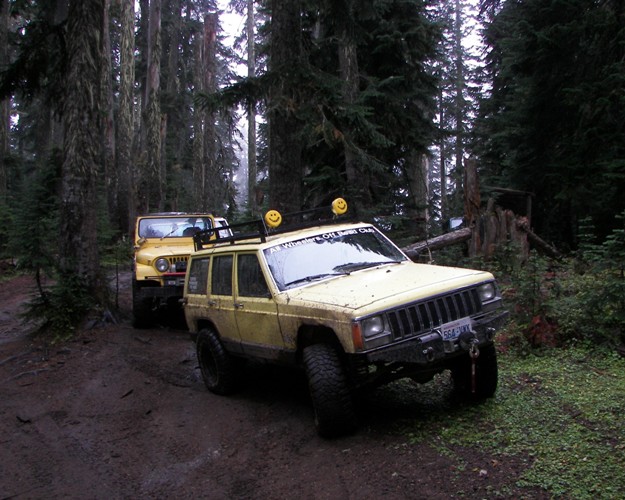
(122, 413)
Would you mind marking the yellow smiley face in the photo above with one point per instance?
(339, 206)
(273, 218)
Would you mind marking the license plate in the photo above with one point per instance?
(452, 330)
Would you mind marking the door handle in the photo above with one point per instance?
(238, 305)
(212, 303)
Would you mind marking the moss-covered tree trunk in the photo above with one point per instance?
(78, 255)
(125, 117)
(111, 176)
(153, 111)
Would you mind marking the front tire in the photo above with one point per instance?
(331, 398)
(142, 313)
(217, 366)
(486, 374)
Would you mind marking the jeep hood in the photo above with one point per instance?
(385, 286)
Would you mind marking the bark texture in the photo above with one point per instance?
(4, 103)
(125, 119)
(252, 170)
(153, 111)
(82, 155)
(285, 164)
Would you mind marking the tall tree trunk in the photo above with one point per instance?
(442, 146)
(459, 106)
(198, 127)
(111, 177)
(78, 255)
(212, 193)
(357, 179)
(153, 110)
(252, 169)
(285, 163)
(417, 176)
(139, 167)
(125, 121)
(4, 103)
(173, 114)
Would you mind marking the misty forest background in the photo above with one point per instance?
(111, 108)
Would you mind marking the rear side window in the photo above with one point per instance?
(198, 276)
(250, 279)
(221, 281)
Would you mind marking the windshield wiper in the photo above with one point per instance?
(315, 277)
(357, 266)
(169, 233)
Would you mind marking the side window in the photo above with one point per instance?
(198, 276)
(250, 281)
(221, 280)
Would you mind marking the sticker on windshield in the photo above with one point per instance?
(320, 238)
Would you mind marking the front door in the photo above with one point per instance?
(255, 310)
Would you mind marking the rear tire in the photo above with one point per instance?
(331, 398)
(217, 366)
(486, 374)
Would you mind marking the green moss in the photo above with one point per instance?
(560, 413)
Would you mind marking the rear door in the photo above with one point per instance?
(220, 298)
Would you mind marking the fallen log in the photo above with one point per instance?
(415, 250)
(444, 240)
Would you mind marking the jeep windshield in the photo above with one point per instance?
(329, 254)
(173, 227)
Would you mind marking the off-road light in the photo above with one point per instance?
(161, 265)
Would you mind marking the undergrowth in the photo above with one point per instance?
(558, 413)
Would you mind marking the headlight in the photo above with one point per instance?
(161, 265)
(487, 292)
(373, 327)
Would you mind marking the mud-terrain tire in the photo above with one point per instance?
(217, 366)
(142, 313)
(332, 402)
(486, 374)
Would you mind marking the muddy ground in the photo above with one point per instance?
(123, 413)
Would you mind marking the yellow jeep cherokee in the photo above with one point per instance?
(162, 244)
(346, 304)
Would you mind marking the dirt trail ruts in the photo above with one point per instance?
(122, 413)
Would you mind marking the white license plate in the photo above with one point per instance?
(452, 330)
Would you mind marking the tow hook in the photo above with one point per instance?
(467, 339)
(429, 354)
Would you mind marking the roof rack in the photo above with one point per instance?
(269, 225)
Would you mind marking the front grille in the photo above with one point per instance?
(180, 264)
(421, 317)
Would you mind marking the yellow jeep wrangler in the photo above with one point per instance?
(162, 245)
(347, 305)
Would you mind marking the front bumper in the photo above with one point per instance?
(429, 349)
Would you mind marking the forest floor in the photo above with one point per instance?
(123, 413)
